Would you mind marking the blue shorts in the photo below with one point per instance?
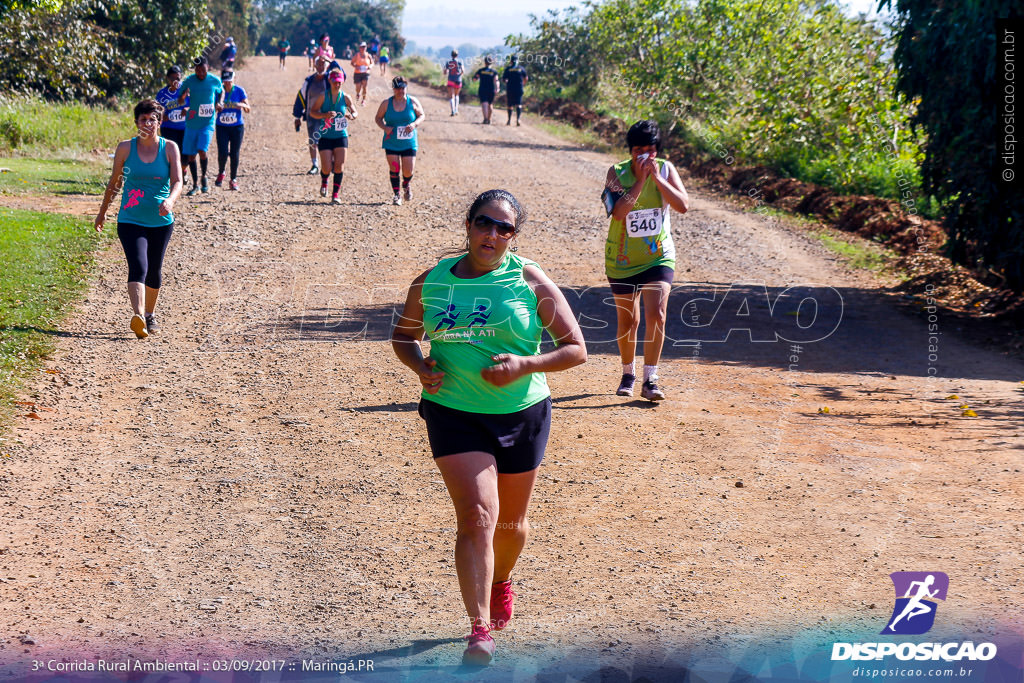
(385, 60)
(196, 140)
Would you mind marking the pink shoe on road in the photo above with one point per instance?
(502, 598)
(480, 650)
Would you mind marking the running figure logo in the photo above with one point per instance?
(478, 317)
(448, 317)
(133, 198)
(916, 595)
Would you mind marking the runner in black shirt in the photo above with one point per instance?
(488, 78)
(515, 78)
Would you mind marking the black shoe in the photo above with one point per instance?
(651, 392)
(626, 386)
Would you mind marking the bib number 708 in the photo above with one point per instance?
(643, 223)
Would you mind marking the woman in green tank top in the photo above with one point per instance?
(639, 254)
(485, 399)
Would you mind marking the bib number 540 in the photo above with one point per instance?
(643, 223)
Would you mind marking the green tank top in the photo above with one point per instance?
(644, 239)
(469, 320)
(336, 127)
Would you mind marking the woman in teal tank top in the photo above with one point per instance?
(334, 109)
(147, 172)
(485, 399)
(640, 257)
(399, 116)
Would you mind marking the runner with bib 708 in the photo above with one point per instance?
(640, 257)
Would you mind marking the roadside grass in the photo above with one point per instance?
(585, 137)
(52, 176)
(33, 127)
(857, 252)
(47, 261)
(421, 70)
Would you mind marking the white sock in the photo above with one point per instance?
(629, 368)
(650, 373)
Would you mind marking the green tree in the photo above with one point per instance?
(948, 59)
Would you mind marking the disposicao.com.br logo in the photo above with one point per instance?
(913, 614)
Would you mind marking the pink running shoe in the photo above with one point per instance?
(481, 647)
(220, 180)
(502, 598)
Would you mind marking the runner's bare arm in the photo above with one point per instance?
(181, 96)
(174, 159)
(379, 118)
(672, 189)
(115, 182)
(628, 200)
(350, 105)
(314, 110)
(244, 105)
(420, 114)
(406, 337)
(560, 323)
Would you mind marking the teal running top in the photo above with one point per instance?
(400, 140)
(145, 187)
(337, 126)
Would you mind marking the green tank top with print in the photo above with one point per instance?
(644, 239)
(469, 320)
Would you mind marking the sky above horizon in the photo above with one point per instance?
(436, 23)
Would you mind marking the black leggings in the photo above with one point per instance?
(229, 138)
(144, 248)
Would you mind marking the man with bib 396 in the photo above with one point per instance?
(204, 92)
(640, 257)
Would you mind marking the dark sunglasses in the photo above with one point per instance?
(505, 230)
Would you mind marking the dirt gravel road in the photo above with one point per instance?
(256, 480)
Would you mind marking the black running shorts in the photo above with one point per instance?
(325, 144)
(629, 285)
(516, 440)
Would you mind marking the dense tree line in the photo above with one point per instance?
(950, 61)
(347, 22)
(100, 50)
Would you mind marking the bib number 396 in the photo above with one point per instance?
(643, 223)
(205, 110)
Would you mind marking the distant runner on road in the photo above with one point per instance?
(204, 92)
(313, 87)
(453, 71)
(361, 63)
(399, 116)
(639, 255)
(173, 120)
(227, 55)
(282, 50)
(515, 79)
(489, 86)
(147, 170)
(230, 128)
(385, 57)
(333, 110)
